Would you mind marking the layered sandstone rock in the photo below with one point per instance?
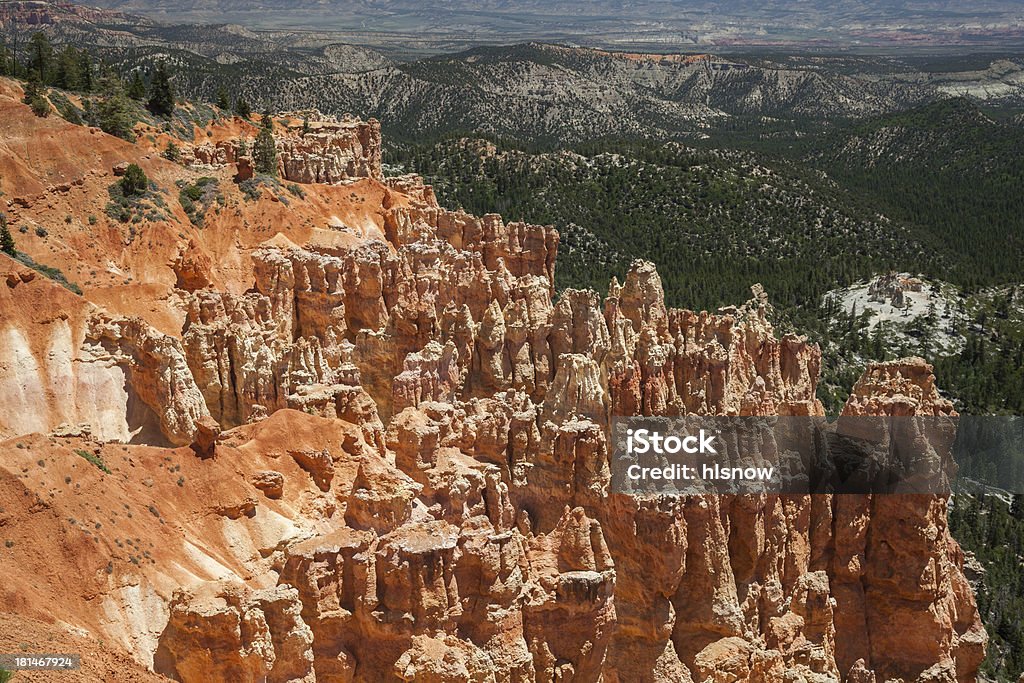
(66, 364)
(403, 472)
(902, 595)
(231, 633)
(210, 154)
(313, 314)
(326, 150)
(331, 151)
(509, 557)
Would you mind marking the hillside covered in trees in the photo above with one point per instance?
(993, 530)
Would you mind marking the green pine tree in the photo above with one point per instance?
(5, 61)
(265, 148)
(134, 181)
(223, 103)
(242, 108)
(6, 241)
(172, 152)
(161, 94)
(86, 70)
(137, 89)
(40, 58)
(72, 66)
(34, 98)
(31, 91)
(115, 113)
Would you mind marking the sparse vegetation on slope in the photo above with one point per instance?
(196, 198)
(94, 459)
(135, 199)
(54, 274)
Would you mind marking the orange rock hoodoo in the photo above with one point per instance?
(330, 151)
(413, 479)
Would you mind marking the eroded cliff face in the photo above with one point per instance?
(67, 366)
(331, 151)
(501, 555)
(324, 150)
(401, 472)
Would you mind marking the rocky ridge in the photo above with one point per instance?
(400, 459)
(501, 554)
(311, 148)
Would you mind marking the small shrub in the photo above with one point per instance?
(193, 192)
(171, 152)
(41, 232)
(70, 113)
(136, 205)
(40, 107)
(134, 182)
(251, 187)
(118, 212)
(195, 198)
(93, 458)
(54, 274)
